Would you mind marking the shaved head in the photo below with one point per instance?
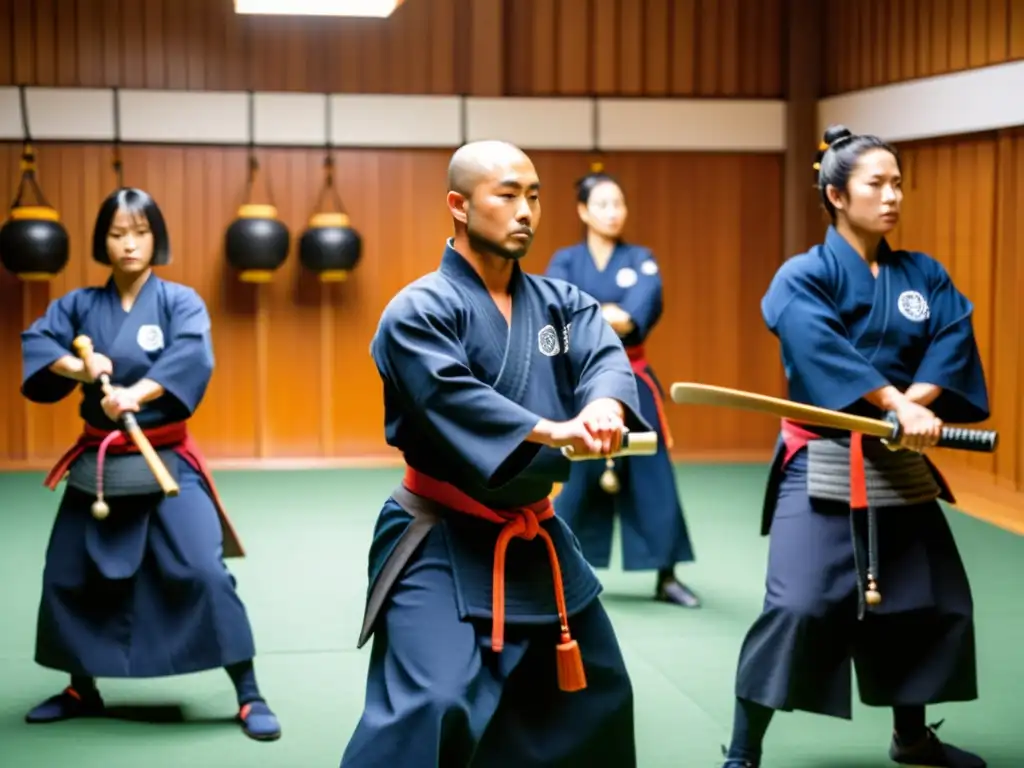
(494, 197)
(478, 161)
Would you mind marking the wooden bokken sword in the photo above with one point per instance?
(887, 429)
(83, 346)
(633, 444)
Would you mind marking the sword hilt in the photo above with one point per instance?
(957, 438)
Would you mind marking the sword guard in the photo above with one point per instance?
(897, 430)
(893, 441)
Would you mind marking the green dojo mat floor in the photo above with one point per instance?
(304, 581)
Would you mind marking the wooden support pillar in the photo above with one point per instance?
(804, 66)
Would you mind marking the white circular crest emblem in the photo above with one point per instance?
(912, 305)
(649, 267)
(547, 341)
(625, 277)
(150, 338)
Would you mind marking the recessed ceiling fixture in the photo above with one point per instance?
(379, 9)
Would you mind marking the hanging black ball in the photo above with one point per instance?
(257, 243)
(33, 243)
(330, 247)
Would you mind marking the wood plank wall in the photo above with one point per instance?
(964, 202)
(714, 221)
(877, 42)
(476, 47)
(964, 198)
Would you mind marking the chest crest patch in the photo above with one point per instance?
(547, 341)
(913, 306)
(626, 277)
(150, 338)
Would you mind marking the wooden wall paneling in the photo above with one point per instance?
(1007, 317)
(760, 227)
(805, 52)
(6, 36)
(572, 61)
(315, 391)
(570, 47)
(729, 37)
(964, 200)
(684, 54)
(487, 36)
(894, 55)
(604, 47)
(543, 42)
(443, 46)
(1014, 198)
(631, 48)
(769, 48)
(877, 42)
(658, 44)
(13, 437)
(955, 199)
(1015, 28)
(22, 44)
(710, 52)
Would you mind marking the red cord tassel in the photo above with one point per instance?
(571, 676)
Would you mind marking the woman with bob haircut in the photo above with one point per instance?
(135, 585)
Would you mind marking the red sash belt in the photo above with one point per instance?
(638, 359)
(523, 523)
(796, 437)
(115, 443)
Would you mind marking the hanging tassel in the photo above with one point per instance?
(872, 595)
(859, 500)
(100, 508)
(571, 676)
(609, 481)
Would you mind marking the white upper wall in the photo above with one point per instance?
(977, 100)
(358, 120)
(972, 101)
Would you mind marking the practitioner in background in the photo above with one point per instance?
(143, 591)
(642, 490)
(867, 330)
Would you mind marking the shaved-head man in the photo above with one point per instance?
(494, 195)
(490, 645)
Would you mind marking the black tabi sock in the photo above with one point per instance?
(666, 575)
(243, 676)
(83, 685)
(908, 722)
(750, 723)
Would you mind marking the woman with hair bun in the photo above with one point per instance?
(871, 331)
(641, 489)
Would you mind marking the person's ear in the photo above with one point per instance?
(458, 206)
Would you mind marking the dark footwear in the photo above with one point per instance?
(678, 593)
(66, 705)
(929, 751)
(738, 762)
(258, 722)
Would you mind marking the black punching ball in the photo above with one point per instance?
(256, 243)
(330, 247)
(33, 243)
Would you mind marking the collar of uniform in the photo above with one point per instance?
(838, 244)
(456, 265)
